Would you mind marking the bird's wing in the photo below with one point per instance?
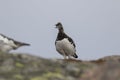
(72, 42)
(3, 37)
(70, 39)
(6, 39)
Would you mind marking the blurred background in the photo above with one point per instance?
(94, 25)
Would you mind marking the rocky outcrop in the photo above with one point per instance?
(28, 67)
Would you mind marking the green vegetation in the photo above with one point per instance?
(20, 65)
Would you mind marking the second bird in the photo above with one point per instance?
(7, 44)
(64, 44)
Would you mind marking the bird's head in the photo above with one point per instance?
(59, 26)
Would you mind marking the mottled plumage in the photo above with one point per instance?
(7, 44)
(64, 44)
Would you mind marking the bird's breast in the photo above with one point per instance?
(64, 43)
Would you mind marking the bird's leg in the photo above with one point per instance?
(65, 57)
(69, 57)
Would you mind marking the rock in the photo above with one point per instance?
(28, 67)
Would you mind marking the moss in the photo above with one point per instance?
(18, 77)
(38, 78)
(58, 70)
(19, 65)
(49, 76)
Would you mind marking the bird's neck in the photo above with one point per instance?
(61, 35)
(61, 30)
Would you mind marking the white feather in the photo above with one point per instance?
(1, 37)
(4, 47)
(5, 44)
(64, 46)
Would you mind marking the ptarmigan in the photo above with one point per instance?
(64, 44)
(7, 44)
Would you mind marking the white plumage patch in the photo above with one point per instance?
(65, 47)
(6, 44)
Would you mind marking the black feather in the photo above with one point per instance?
(62, 35)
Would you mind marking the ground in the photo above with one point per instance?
(16, 66)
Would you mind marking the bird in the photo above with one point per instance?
(65, 44)
(7, 44)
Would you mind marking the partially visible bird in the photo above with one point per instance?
(64, 44)
(7, 44)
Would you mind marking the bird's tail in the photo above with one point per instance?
(25, 44)
(21, 43)
(75, 55)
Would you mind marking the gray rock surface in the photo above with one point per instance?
(28, 67)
